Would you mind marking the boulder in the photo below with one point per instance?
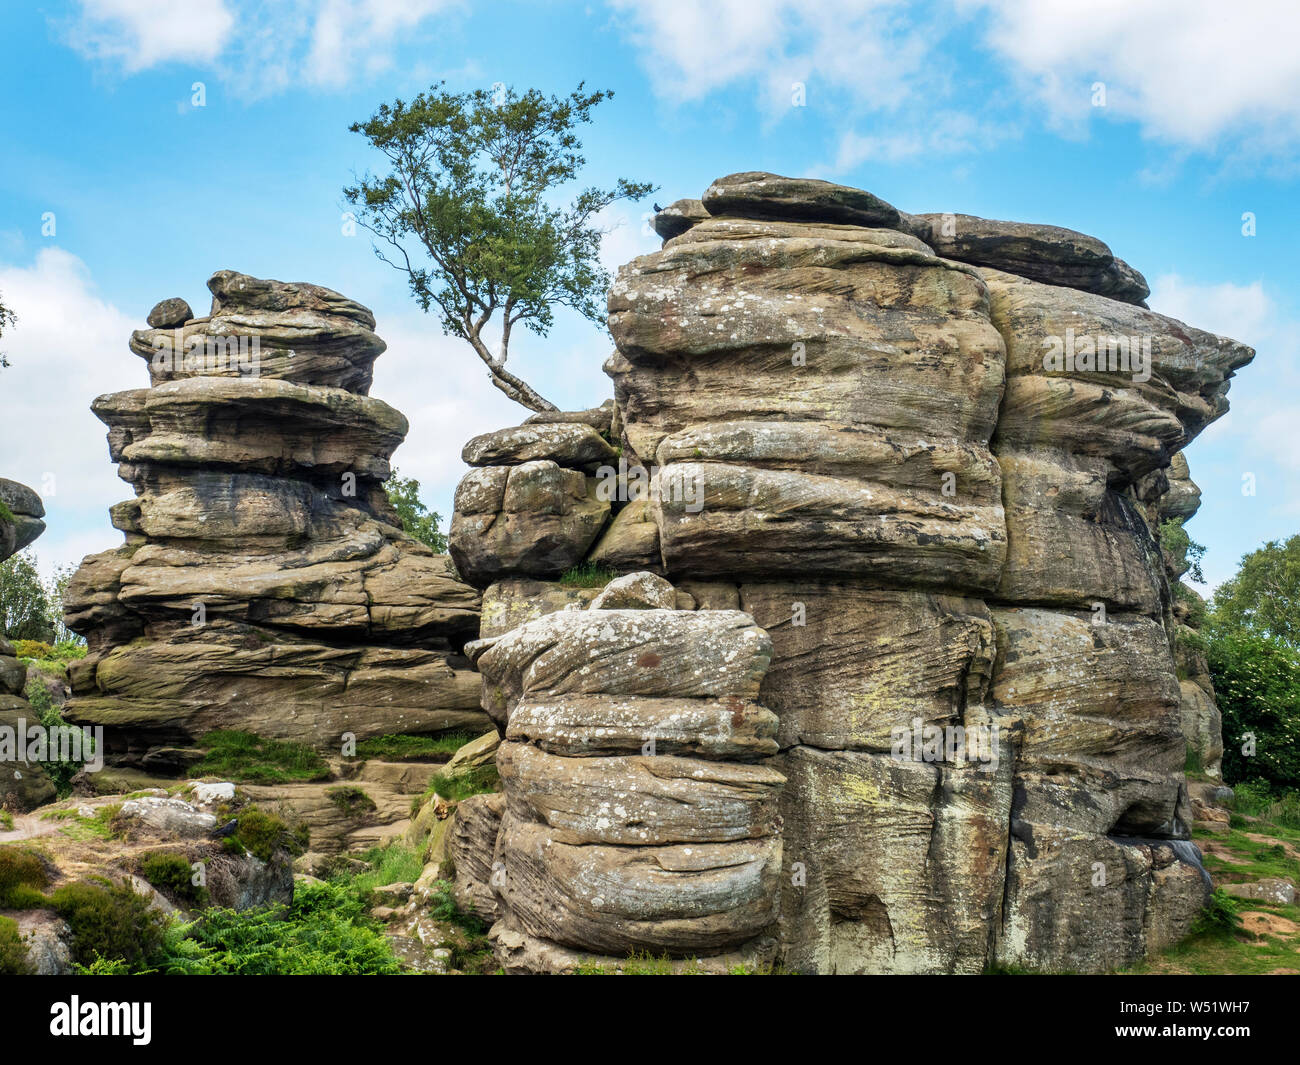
(678, 217)
(1049, 254)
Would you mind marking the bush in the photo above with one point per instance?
(262, 834)
(109, 921)
(13, 951)
(59, 772)
(243, 756)
(23, 876)
(1257, 684)
(37, 649)
(172, 874)
(351, 800)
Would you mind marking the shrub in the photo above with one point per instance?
(60, 772)
(109, 921)
(1219, 918)
(13, 951)
(1182, 550)
(262, 834)
(351, 800)
(37, 649)
(243, 756)
(172, 874)
(23, 876)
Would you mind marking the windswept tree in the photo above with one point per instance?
(472, 210)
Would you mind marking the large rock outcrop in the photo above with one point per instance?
(23, 784)
(265, 583)
(927, 456)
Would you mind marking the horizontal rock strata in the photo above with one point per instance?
(264, 584)
(928, 455)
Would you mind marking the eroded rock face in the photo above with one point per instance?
(928, 455)
(265, 583)
(23, 784)
(636, 816)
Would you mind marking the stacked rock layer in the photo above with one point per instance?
(636, 817)
(927, 455)
(265, 583)
(23, 784)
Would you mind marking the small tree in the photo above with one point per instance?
(418, 521)
(467, 211)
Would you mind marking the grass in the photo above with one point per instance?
(6, 820)
(587, 575)
(13, 951)
(471, 951)
(407, 748)
(643, 963)
(478, 780)
(1254, 800)
(392, 864)
(102, 824)
(247, 758)
(1219, 944)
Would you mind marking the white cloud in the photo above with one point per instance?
(134, 35)
(690, 48)
(1191, 72)
(948, 133)
(256, 48)
(69, 346)
(443, 417)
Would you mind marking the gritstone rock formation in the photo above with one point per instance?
(23, 784)
(925, 457)
(265, 583)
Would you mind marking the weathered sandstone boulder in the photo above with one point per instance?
(21, 512)
(23, 784)
(265, 584)
(636, 816)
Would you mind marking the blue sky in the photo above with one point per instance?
(985, 107)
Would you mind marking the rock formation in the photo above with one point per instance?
(23, 784)
(265, 583)
(923, 456)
